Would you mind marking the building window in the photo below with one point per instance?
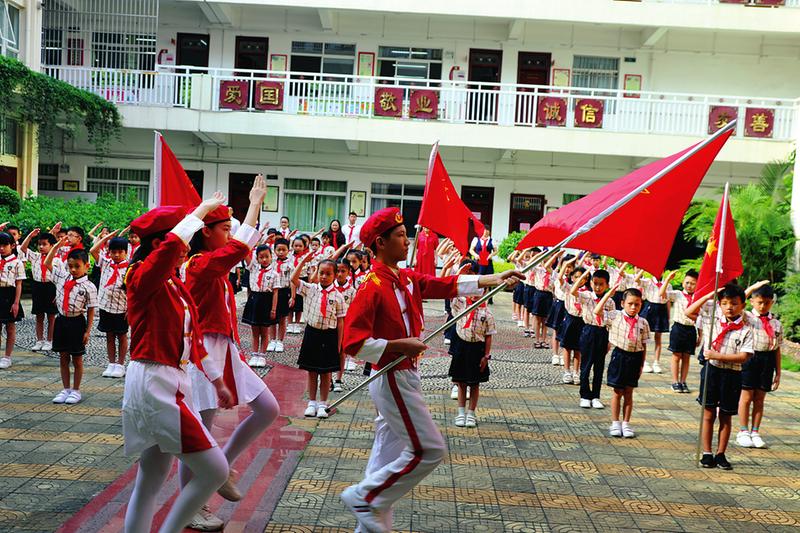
(407, 198)
(119, 182)
(9, 30)
(595, 72)
(121, 50)
(409, 63)
(567, 198)
(311, 204)
(9, 130)
(323, 58)
(51, 46)
(48, 177)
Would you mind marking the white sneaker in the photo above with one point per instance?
(271, 346)
(350, 364)
(597, 404)
(47, 346)
(262, 361)
(337, 386)
(253, 361)
(615, 430)
(311, 410)
(278, 346)
(647, 368)
(119, 372)
(758, 442)
(454, 393)
(567, 379)
(656, 368)
(585, 404)
(470, 421)
(576, 378)
(561, 360)
(73, 398)
(744, 439)
(461, 420)
(322, 411)
(61, 397)
(627, 431)
(520, 324)
(369, 518)
(446, 341)
(555, 360)
(109, 371)
(37, 346)
(205, 520)
(5, 362)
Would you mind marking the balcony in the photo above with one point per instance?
(746, 3)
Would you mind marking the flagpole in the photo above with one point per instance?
(590, 224)
(413, 258)
(156, 168)
(718, 269)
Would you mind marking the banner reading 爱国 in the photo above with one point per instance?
(233, 94)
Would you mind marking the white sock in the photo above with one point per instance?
(470, 412)
(312, 403)
(461, 411)
(626, 424)
(615, 424)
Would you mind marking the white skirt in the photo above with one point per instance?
(157, 409)
(244, 384)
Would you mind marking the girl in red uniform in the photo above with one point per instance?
(213, 253)
(158, 419)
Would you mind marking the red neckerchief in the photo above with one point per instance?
(342, 288)
(546, 278)
(726, 328)
(5, 260)
(43, 268)
(471, 315)
(323, 304)
(350, 235)
(483, 253)
(768, 329)
(264, 270)
(689, 297)
(399, 281)
(632, 321)
(280, 261)
(115, 275)
(68, 286)
(596, 301)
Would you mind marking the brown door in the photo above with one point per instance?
(8, 177)
(192, 49)
(484, 66)
(526, 210)
(479, 200)
(239, 185)
(533, 68)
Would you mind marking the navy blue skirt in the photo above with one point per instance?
(530, 294)
(657, 316)
(556, 316)
(519, 294)
(569, 332)
(542, 301)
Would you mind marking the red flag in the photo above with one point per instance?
(173, 186)
(643, 231)
(442, 210)
(723, 239)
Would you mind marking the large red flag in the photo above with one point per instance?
(442, 210)
(173, 186)
(723, 239)
(641, 232)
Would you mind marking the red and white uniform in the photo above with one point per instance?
(351, 234)
(157, 407)
(207, 280)
(408, 445)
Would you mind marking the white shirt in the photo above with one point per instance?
(352, 233)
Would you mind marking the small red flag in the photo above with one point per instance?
(723, 239)
(442, 209)
(642, 231)
(173, 186)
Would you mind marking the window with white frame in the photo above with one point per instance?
(120, 182)
(407, 198)
(409, 63)
(9, 131)
(595, 72)
(48, 177)
(323, 58)
(9, 30)
(311, 204)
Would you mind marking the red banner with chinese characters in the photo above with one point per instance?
(424, 103)
(269, 96)
(719, 116)
(589, 113)
(234, 94)
(758, 122)
(389, 101)
(551, 111)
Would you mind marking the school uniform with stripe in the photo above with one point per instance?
(113, 301)
(12, 269)
(43, 291)
(74, 297)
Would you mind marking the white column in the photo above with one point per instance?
(795, 211)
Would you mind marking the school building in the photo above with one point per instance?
(534, 102)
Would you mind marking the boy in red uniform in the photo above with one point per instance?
(384, 323)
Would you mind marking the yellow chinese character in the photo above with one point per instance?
(268, 95)
(722, 120)
(589, 113)
(233, 94)
(424, 104)
(387, 102)
(552, 111)
(759, 123)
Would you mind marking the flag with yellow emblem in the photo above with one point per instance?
(722, 252)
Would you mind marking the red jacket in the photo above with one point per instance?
(376, 313)
(156, 310)
(207, 280)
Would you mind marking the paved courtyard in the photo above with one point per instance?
(536, 462)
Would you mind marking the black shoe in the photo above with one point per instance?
(708, 461)
(722, 462)
(676, 387)
(685, 388)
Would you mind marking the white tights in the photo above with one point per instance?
(154, 465)
(265, 411)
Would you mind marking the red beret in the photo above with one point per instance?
(220, 214)
(162, 218)
(380, 222)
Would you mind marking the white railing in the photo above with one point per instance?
(458, 101)
(787, 3)
(136, 87)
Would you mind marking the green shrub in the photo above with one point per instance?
(510, 243)
(502, 266)
(788, 306)
(9, 199)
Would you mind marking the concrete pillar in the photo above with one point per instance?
(795, 211)
(28, 169)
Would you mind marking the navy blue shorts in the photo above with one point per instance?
(657, 316)
(542, 301)
(624, 369)
(724, 388)
(569, 332)
(682, 339)
(759, 371)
